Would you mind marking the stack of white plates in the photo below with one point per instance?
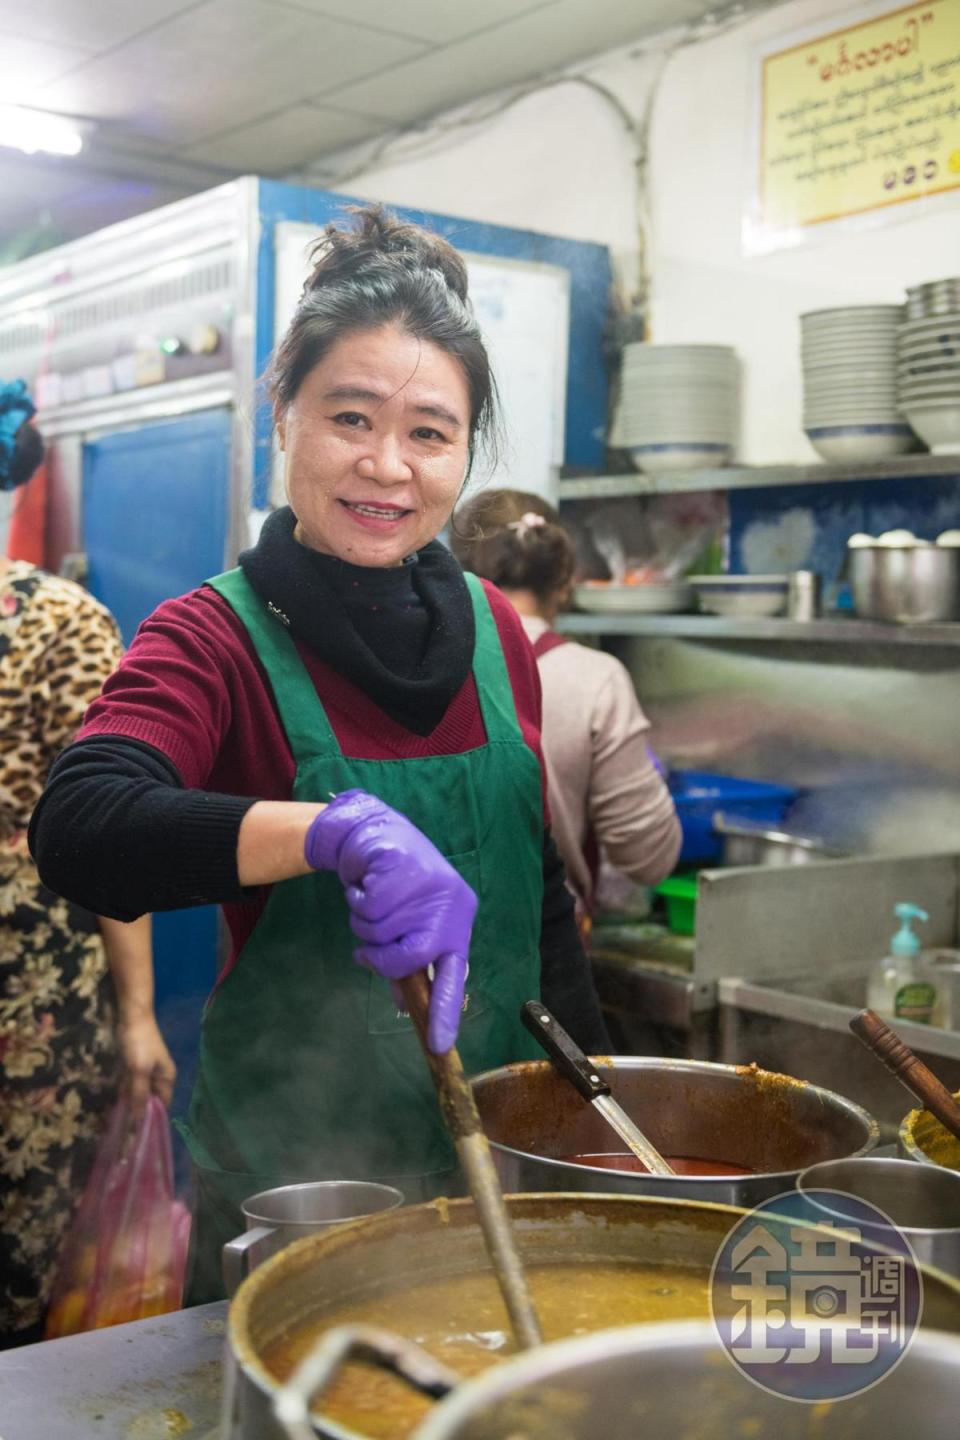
(928, 369)
(850, 409)
(679, 406)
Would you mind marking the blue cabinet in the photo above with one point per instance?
(155, 507)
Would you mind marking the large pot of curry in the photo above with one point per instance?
(735, 1134)
(594, 1261)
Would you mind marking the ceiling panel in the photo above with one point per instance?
(283, 142)
(220, 65)
(90, 24)
(427, 20)
(26, 65)
(188, 91)
(524, 48)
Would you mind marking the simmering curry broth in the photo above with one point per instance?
(462, 1321)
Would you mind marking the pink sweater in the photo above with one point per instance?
(600, 776)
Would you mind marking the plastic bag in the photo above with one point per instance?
(126, 1251)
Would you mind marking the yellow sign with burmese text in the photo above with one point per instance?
(858, 119)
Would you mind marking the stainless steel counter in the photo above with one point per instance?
(152, 1380)
(802, 1026)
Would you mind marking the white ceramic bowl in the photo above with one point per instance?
(656, 361)
(938, 427)
(853, 343)
(843, 313)
(947, 340)
(666, 415)
(932, 384)
(689, 455)
(677, 435)
(873, 357)
(853, 334)
(855, 411)
(692, 352)
(741, 595)
(662, 599)
(930, 322)
(841, 425)
(876, 392)
(838, 443)
(833, 370)
(936, 369)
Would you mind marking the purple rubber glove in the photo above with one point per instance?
(408, 905)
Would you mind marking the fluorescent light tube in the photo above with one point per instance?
(33, 130)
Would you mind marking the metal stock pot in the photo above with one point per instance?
(771, 1124)
(674, 1381)
(657, 1380)
(323, 1274)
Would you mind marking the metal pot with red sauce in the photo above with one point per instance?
(736, 1134)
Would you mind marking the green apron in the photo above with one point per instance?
(307, 1070)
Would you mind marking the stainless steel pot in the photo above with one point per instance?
(324, 1273)
(674, 1381)
(913, 1139)
(660, 1381)
(771, 1124)
(922, 1201)
(905, 585)
(749, 845)
(276, 1218)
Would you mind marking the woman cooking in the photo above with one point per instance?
(347, 660)
(606, 795)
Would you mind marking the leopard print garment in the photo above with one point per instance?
(57, 1050)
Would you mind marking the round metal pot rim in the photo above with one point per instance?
(919, 1232)
(723, 826)
(475, 1396)
(913, 1150)
(247, 1359)
(694, 1067)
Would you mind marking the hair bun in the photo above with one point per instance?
(377, 239)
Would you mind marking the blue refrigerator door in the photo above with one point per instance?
(155, 507)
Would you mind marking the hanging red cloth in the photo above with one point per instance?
(26, 537)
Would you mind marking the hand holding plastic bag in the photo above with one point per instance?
(126, 1252)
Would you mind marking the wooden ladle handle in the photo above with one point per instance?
(909, 1069)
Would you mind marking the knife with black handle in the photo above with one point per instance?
(573, 1065)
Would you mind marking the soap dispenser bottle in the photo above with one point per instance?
(897, 989)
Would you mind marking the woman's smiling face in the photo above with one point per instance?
(376, 445)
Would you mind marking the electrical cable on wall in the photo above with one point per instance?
(417, 142)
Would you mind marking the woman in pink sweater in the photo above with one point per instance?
(605, 793)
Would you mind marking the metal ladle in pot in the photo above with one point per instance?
(570, 1062)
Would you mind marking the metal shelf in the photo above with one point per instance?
(757, 477)
(715, 627)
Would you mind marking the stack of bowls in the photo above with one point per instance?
(850, 409)
(936, 297)
(679, 405)
(928, 369)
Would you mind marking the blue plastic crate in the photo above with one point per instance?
(698, 796)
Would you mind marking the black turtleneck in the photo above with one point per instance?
(404, 635)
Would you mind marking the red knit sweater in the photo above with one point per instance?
(192, 687)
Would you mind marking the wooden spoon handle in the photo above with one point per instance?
(909, 1069)
(463, 1122)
